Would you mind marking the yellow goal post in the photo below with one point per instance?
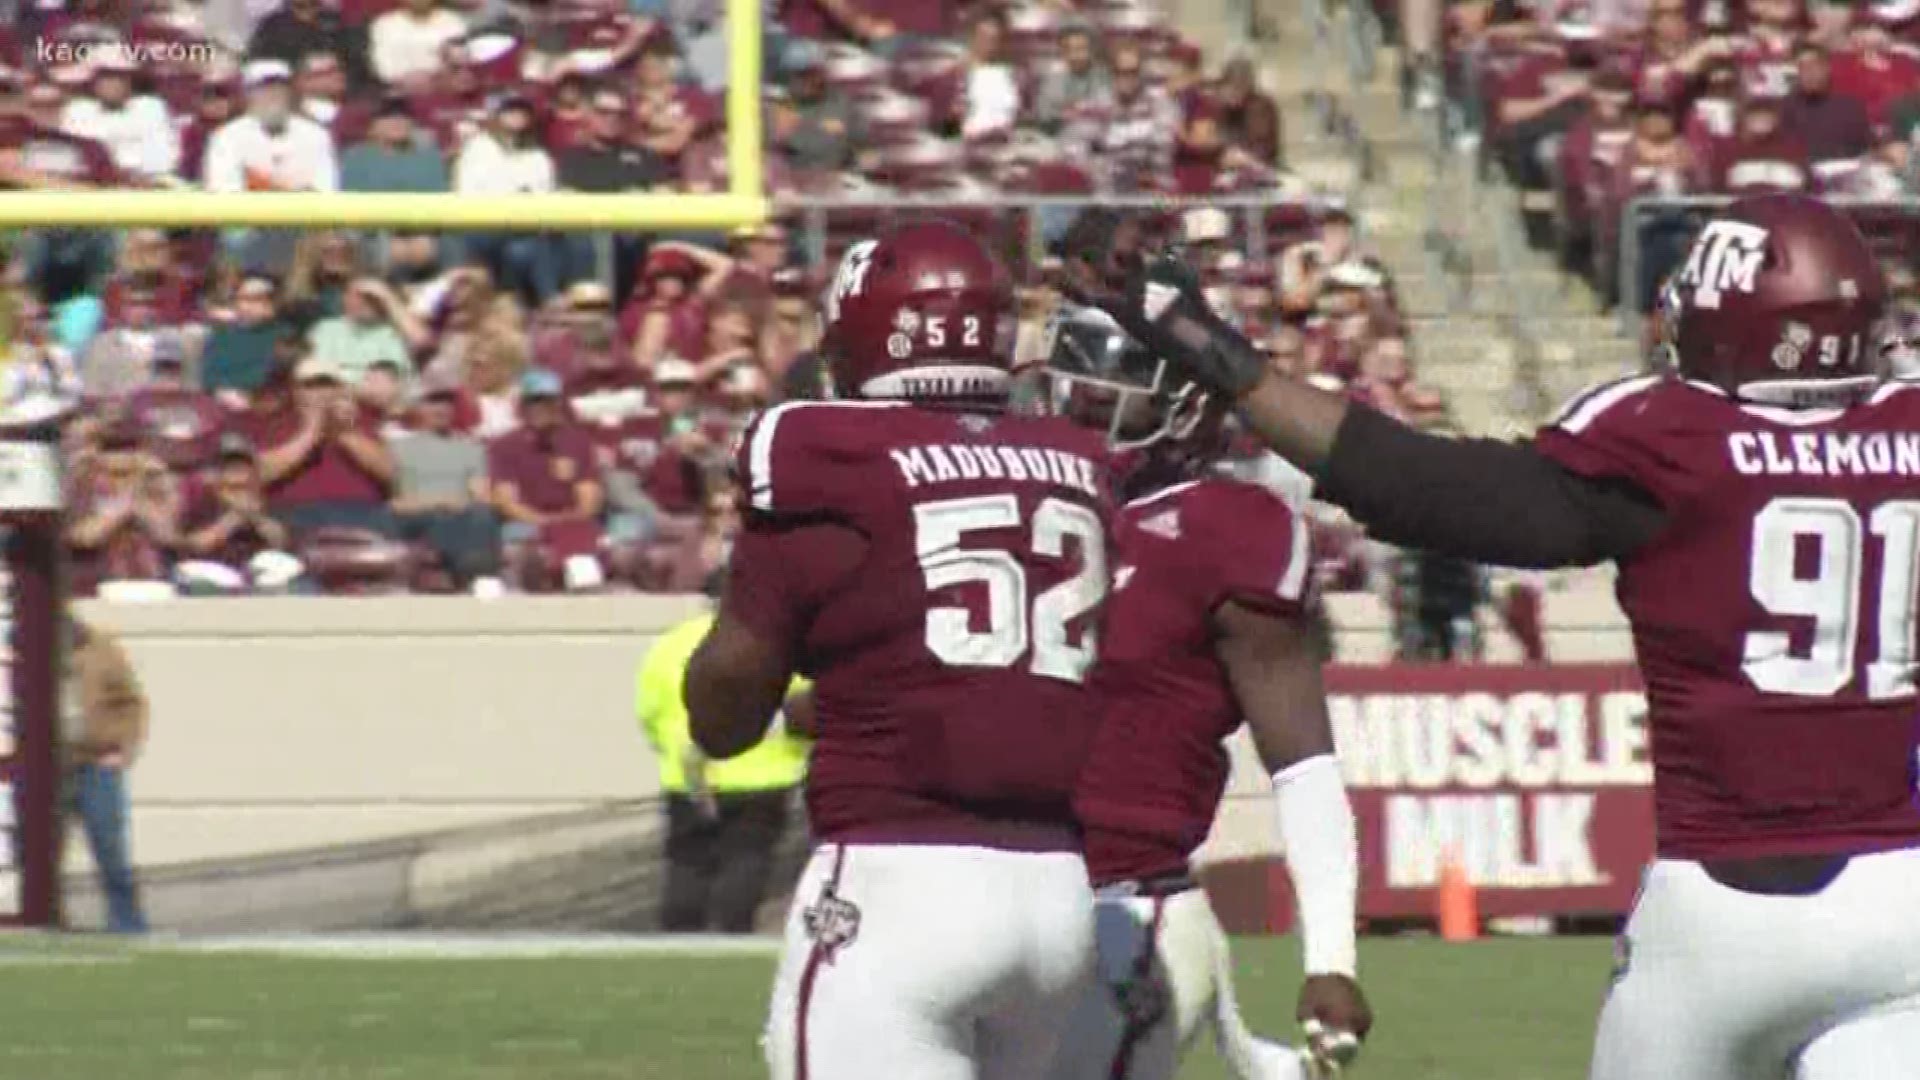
(744, 203)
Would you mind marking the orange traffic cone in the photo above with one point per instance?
(1456, 904)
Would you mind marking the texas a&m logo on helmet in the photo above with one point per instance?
(1780, 301)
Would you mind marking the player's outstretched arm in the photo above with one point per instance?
(1479, 499)
(1273, 663)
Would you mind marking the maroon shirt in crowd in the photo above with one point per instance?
(183, 425)
(242, 544)
(544, 467)
(329, 474)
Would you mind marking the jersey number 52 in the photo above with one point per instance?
(1015, 626)
(1833, 596)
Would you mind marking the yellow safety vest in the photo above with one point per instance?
(777, 761)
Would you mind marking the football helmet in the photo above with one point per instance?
(924, 311)
(1101, 377)
(1779, 302)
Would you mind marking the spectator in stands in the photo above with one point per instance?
(227, 522)
(182, 422)
(671, 466)
(1876, 70)
(441, 495)
(1764, 52)
(103, 724)
(322, 457)
(1831, 127)
(270, 148)
(1202, 155)
(1540, 96)
(492, 380)
(393, 156)
(732, 340)
(547, 488)
(135, 128)
(325, 263)
(993, 94)
(790, 332)
(1657, 162)
(1764, 157)
(503, 158)
(601, 159)
(405, 43)
(1885, 174)
(697, 562)
(123, 510)
(299, 27)
(758, 254)
(148, 289)
(814, 128)
(724, 818)
(219, 102)
(364, 333)
(666, 114)
(1078, 76)
(1675, 58)
(1305, 267)
(383, 394)
(1129, 130)
(240, 351)
(325, 98)
(668, 313)
(1248, 116)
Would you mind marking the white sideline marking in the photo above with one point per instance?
(8, 960)
(441, 946)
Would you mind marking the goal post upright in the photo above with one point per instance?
(31, 477)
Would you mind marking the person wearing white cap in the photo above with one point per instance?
(135, 128)
(270, 148)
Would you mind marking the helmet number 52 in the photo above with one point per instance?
(1013, 627)
(1832, 596)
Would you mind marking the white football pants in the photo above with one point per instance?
(1721, 984)
(1164, 971)
(907, 962)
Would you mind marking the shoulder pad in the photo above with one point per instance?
(802, 456)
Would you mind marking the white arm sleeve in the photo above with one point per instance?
(1323, 858)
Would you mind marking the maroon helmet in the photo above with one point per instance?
(1780, 302)
(924, 311)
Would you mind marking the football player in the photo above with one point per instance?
(1762, 503)
(1205, 629)
(935, 564)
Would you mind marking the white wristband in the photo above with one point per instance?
(1323, 858)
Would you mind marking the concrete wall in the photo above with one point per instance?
(287, 724)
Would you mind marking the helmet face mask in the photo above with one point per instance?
(1099, 377)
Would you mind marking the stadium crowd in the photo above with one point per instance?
(1588, 107)
(534, 411)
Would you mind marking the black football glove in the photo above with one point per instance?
(1165, 308)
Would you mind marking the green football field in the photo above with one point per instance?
(1518, 1009)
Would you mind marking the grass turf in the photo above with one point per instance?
(82, 1010)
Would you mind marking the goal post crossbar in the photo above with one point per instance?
(744, 203)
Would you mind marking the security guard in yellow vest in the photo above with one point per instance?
(724, 818)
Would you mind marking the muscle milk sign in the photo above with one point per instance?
(1535, 778)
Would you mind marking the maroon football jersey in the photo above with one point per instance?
(945, 603)
(1157, 768)
(1774, 614)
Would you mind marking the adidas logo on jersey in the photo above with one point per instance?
(1164, 525)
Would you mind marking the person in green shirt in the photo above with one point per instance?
(724, 818)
